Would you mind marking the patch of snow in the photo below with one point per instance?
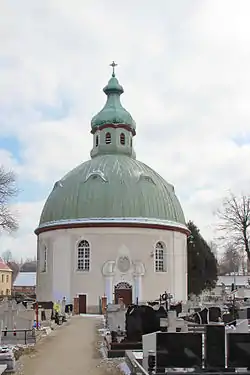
(2, 368)
(92, 315)
(138, 355)
(124, 368)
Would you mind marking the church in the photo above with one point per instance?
(112, 226)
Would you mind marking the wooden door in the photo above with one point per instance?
(82, 304)
(76, 305)
(125, 294)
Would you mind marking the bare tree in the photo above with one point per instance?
(7, 256)
(235, 222)
(214, 248)
(8, 190)
(14, 266)
(231, 260)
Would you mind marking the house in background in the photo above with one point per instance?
(5, 279)
(25, 283)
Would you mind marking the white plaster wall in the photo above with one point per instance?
(61, 285)
(45, 279)
(107, 244)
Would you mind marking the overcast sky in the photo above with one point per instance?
(184, 66)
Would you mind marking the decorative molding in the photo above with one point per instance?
(58, 184)
(123, 264)
(144, 177)
(114, 126)
(129, 222)
(123, 285)
(108, 268)
(96, 173)
(139, 269)
(123, 251)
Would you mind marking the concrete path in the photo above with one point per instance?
(69, 350)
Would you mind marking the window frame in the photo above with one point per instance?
(44, 259)
(108, 138)
(83, 247)
(160, 265)
(122, 139)
(97, 140)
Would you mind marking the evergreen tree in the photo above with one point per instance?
(202, 265)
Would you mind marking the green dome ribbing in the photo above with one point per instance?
(112, 186)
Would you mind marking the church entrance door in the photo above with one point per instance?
(82, 304)
(123, 290)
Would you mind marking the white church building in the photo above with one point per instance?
(112, 226)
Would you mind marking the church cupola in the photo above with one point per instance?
(113, 127)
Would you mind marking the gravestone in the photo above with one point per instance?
(242, 325)
(116, 317)
(176, 324)
(172, 321)
(63, 305)
(16, 316)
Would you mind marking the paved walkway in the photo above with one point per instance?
(69, 350)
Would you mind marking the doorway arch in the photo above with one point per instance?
(123, 290)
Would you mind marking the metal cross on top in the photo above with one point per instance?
(113, 66)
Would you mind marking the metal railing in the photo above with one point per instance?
(134, 365)
(25, 336)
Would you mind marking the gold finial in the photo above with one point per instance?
(113, 65)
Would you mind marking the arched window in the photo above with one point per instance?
(108, 138)
(96, 141)
(44, 258)
(122, 139)
(83, 256)
(160, 257)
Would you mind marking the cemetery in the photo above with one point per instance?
(163, 337)
(23, 324)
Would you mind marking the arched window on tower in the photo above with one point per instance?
(122, 139)
(97, 141)
(108, 138)
(43, 258)
(83, 256)
(160, 257)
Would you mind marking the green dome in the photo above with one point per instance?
(112, 186)
(113, 112)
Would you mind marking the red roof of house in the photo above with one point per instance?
(3, 266)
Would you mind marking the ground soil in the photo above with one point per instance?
(70, 349)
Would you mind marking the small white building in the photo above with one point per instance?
(112, 226)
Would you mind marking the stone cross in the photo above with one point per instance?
(174, 322)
